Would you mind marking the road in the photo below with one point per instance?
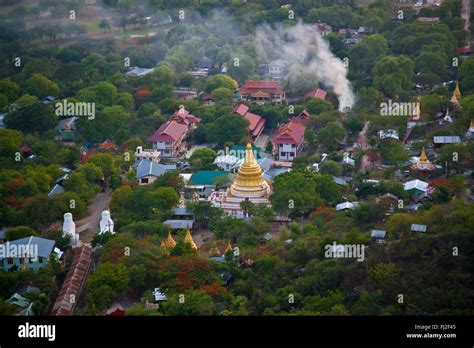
(363, 143)
(89, 226)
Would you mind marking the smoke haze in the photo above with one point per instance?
(308, 55)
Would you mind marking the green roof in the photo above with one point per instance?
(207, 177)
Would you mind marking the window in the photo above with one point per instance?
(292, 154)
(40, 259)
(145, 181)
(283, 154)
(10, 261)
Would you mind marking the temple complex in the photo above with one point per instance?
(423, 163)
(249, 185)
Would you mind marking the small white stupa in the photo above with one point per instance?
(69, 228)
(106, 223)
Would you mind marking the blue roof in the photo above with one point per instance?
(56, 190)
(147, 167)
(45, 246)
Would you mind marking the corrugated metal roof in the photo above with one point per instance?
(147, 167)
(446, 139)
(74, 282)
(378, 234)
(419, 228)
(45, 246)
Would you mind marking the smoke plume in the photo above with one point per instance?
(310, 60)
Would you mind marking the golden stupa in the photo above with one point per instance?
(189, 239)
(457, 92)
(249, 181)
(249, 185)
(423, 162)
(169, 242)
(214, 249)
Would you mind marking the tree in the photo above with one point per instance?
(364, 55)
(104, 24)
(10, 141)
(227, 128)
(9, 89)
(331, 168)
(37, 118)
(20, 232)
(105, 284)
(466, 75)
(222, 95)
(203, 158)
(332, 134)
(393, 75)
(240, 67)
(295, 193)
(220, 81)
(41, 86)
(196, 302)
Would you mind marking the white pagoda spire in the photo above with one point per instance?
(106, 223)
(69, 228)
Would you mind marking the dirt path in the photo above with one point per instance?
(466, 14)
(89, 226)
(363, 143)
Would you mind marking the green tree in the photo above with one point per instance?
(331, 135)
(37, 118)
(203, 158)
(196, 302)
(41, 86)
(393, 74)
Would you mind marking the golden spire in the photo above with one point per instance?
(454, 100)
(228, 248)
(214, 250)
(249, 180)
(170, 243)
(189, 239)
(423, 158)
(457, 92)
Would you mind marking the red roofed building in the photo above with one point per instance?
(168, 139)
(262, 92)
(257, 123)
(317, 93)
(289, 139)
